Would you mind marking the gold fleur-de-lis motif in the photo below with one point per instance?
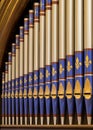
(77, 63)
(41, 75)
(12, 84)
(47, 73)
(16, 82)
(87, 61)
(25, 80)
(41, 4)
(30, 79)
(61, 69)
(53, 71)
(21, 82)
(69, 66)
(36, 12)
(35, 77)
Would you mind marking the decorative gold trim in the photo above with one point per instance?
(77, 90)
(53, 92)
(30, 94)
(20, 94)
(5, 95)
(12, 95)
(41, 93)
(16, 94)
(77, 63)
(25, 93)
(9, 95)
(61, 91)
(87, 91)
(35, 93)
(2, 96)
(47, 92)
(69, 92)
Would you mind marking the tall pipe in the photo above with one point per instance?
(36, 61)
(9, 86)
(48, 56)
(21, 72)
(31, 62)
(70, 41)
(13, 81)
(42, 60)
(79, 58)
(62, 58)
(55, 43)
(88, 57)
(26, 43)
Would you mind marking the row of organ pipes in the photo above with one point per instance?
(50, 65)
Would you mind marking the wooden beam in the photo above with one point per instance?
(11, 13)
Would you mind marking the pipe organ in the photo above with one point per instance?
(48, 77)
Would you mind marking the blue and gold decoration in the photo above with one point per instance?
(13, 81)
(9, 86)
(35, 93)
(54, 90)
(17, 78)
(21, 77)
(42, 61)
(6, 93)
(88, 81)
(3, 97)
(25, 94)
(48, 76)
(62, 87)
(78, 91)
(36, 61)
(31, 75)
(70, 85)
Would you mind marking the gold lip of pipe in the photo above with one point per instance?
(79, 25)
(25, 19)
(36, 4)
(55, 31)
(70, 38)
(31, 11)
(88, 24)
(21, 27)
(62, 27)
